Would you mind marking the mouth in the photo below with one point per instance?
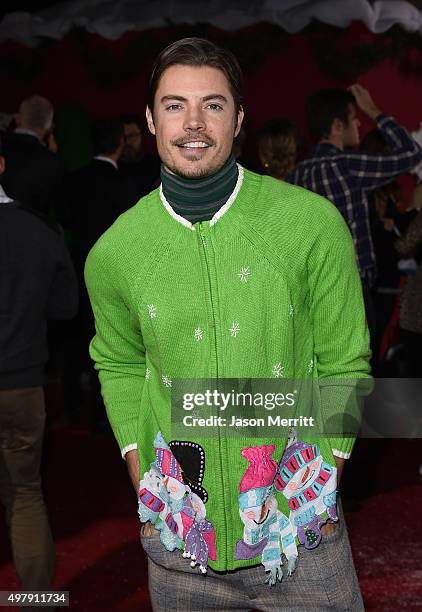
(307, 476)
(194, 144)
(262, 520)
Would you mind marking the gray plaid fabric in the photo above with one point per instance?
(325, 579)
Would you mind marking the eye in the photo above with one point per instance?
(173, 107)
(214, 106)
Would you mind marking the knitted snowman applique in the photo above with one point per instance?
(197, 532)
(267, 531)
(167, 500)
(310, 486)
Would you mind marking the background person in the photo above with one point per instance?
(279, 145)
(344, 176)
(33, 172)
(38, 283)
(139, 167)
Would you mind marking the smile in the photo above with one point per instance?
(307, 477)
(263, 520)
(194, 145)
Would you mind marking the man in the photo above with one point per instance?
(222, 273)
(34, 173)
(344, 176)
(93, 197)
(97, 193)
(142, 169)
(37, 283)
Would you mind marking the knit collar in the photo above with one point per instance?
(200, 199)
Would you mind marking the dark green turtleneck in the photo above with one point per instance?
(199, 199)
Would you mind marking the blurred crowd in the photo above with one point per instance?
(53, 210)
(82, 198)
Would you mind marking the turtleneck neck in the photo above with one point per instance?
(199, 199)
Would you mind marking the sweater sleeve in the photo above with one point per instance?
(372, 171)
(341, 339)
(117, 347)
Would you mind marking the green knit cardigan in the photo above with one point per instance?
(267, 288)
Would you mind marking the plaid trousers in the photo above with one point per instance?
(325, 579)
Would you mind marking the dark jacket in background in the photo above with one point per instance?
(144, 174)
(93, 197)
(37, 283)
(33, 173)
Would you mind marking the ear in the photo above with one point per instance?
(2, 164)
(337, 127)
(240, 116)
(150, 120)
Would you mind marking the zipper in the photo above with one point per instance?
(203, 243)
(205, 252)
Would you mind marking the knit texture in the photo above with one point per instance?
(271, 289)
(199, 199)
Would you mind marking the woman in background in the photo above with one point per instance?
(279, 144)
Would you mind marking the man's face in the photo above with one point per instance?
(351, 130)
(133, 142)
(194, 120)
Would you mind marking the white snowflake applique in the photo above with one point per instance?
(166, 381)
(152, 311)
(292, 310)
(147, 374)
(234, 330)
(311, 366)
(243, 274)
(198, 334)
(278, 370)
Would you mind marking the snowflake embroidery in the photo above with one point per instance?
(292, 310)
(199, 334)
(278, 370)
(235, 328)
(243, 274)
(152, 311)
(147, 374)
(166, 381)
(311, 366)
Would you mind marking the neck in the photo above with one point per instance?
(334, 140)
(199, 199)
(37, 132)
(113, 156)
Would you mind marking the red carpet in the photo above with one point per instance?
(100, 561)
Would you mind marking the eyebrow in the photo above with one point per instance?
(204, 99)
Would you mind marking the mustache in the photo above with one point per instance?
(193, 138)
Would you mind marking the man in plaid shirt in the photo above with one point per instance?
(344, 176)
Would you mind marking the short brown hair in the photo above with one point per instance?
(197, 52)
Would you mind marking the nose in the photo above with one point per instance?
(194, 119)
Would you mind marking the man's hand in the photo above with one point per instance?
(364, 100)
(132, 461)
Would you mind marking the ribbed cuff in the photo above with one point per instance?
(342, 447)
(125, 432)
(128, 448)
